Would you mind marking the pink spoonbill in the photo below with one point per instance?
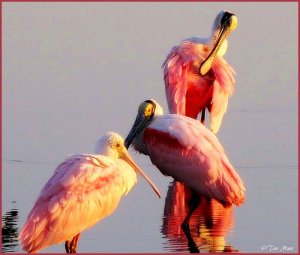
(197, 76)
(183, 148)
(84, 189)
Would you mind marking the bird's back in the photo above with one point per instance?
(83, 190)
(185, 149)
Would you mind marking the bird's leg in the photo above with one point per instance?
(191, 243)
(193, 204)
(71, 245)
(203, 116)
(74, 243)
(67, 246)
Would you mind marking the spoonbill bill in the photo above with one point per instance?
(197, 76)
(84, 189)
(183, 148)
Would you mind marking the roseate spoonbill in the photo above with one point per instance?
(209, 224)
(198, 77)
(84, 189)
(185, 149)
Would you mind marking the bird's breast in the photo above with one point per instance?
(198, 96)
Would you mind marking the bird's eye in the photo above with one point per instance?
(118, 145)
(148, 111)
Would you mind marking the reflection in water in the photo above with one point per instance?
(209, 223)
(10, 231)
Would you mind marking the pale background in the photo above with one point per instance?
(72, 71)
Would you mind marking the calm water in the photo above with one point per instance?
(71, 72)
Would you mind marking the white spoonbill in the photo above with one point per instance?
(185, 149)
(198, 77)
(84, 189)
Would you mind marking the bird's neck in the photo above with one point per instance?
(138, 142)
(128, 175)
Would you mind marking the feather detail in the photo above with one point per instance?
(82, 190)
(188, 92)
(185, 149)
(175, 80)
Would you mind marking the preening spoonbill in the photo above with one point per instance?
(84, 189)
(209, 224)
(185, 149)
(198, 77)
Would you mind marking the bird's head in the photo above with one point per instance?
(147, 110)
(225, 20)
(112, 145)
(224, 24)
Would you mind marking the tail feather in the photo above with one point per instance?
(228, 187)
(236, 189)
(32, 234)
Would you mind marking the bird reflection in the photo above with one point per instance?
(10, 231)
(208, 226)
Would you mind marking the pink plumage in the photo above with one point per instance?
(196, 75)
(188, 92)
(84, 189)
(185, 149)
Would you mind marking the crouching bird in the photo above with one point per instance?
(84, 189)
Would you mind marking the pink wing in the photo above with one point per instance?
(223, 87)
(175, 72)
(185, 149)
(83, 190)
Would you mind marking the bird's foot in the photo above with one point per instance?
(71, 245)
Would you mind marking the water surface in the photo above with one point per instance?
(72, 71)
